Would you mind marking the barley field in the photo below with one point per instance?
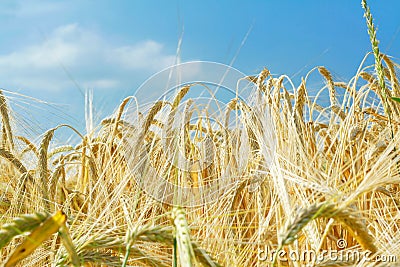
(277, 179)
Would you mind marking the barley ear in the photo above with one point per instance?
(29, 145)
(20, 225)
(13, 160)
(325, 209)
(261, 78)
(354, 224)
(182, 237)
(303, 217)
(119, 114)
(203, 257)
(43, 168)
(331, 85)
(6, 121)
(378, 59)
(37, 236)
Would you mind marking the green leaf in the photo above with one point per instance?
(397, 99)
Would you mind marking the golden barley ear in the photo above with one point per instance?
(43, 162)
(261, 78)
(300, 101)
(146, 233)
(204, 257)
(43, 168)
(152, 113)
(7, 133)
(302, 218)
(393, 75)
(331, 85)
(174, 109)
(13, 160)
(165, 235)
(325, 209)
(354, 224)
(119, 115)
(59, 149)
(29, 144)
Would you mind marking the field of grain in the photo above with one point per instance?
(276, 179)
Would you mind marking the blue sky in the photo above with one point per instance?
(54, 50)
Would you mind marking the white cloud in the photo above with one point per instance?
(147, 54)
(91, 59)
(47, 54)
(102, 84)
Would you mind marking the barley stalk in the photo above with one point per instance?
(378, 60)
